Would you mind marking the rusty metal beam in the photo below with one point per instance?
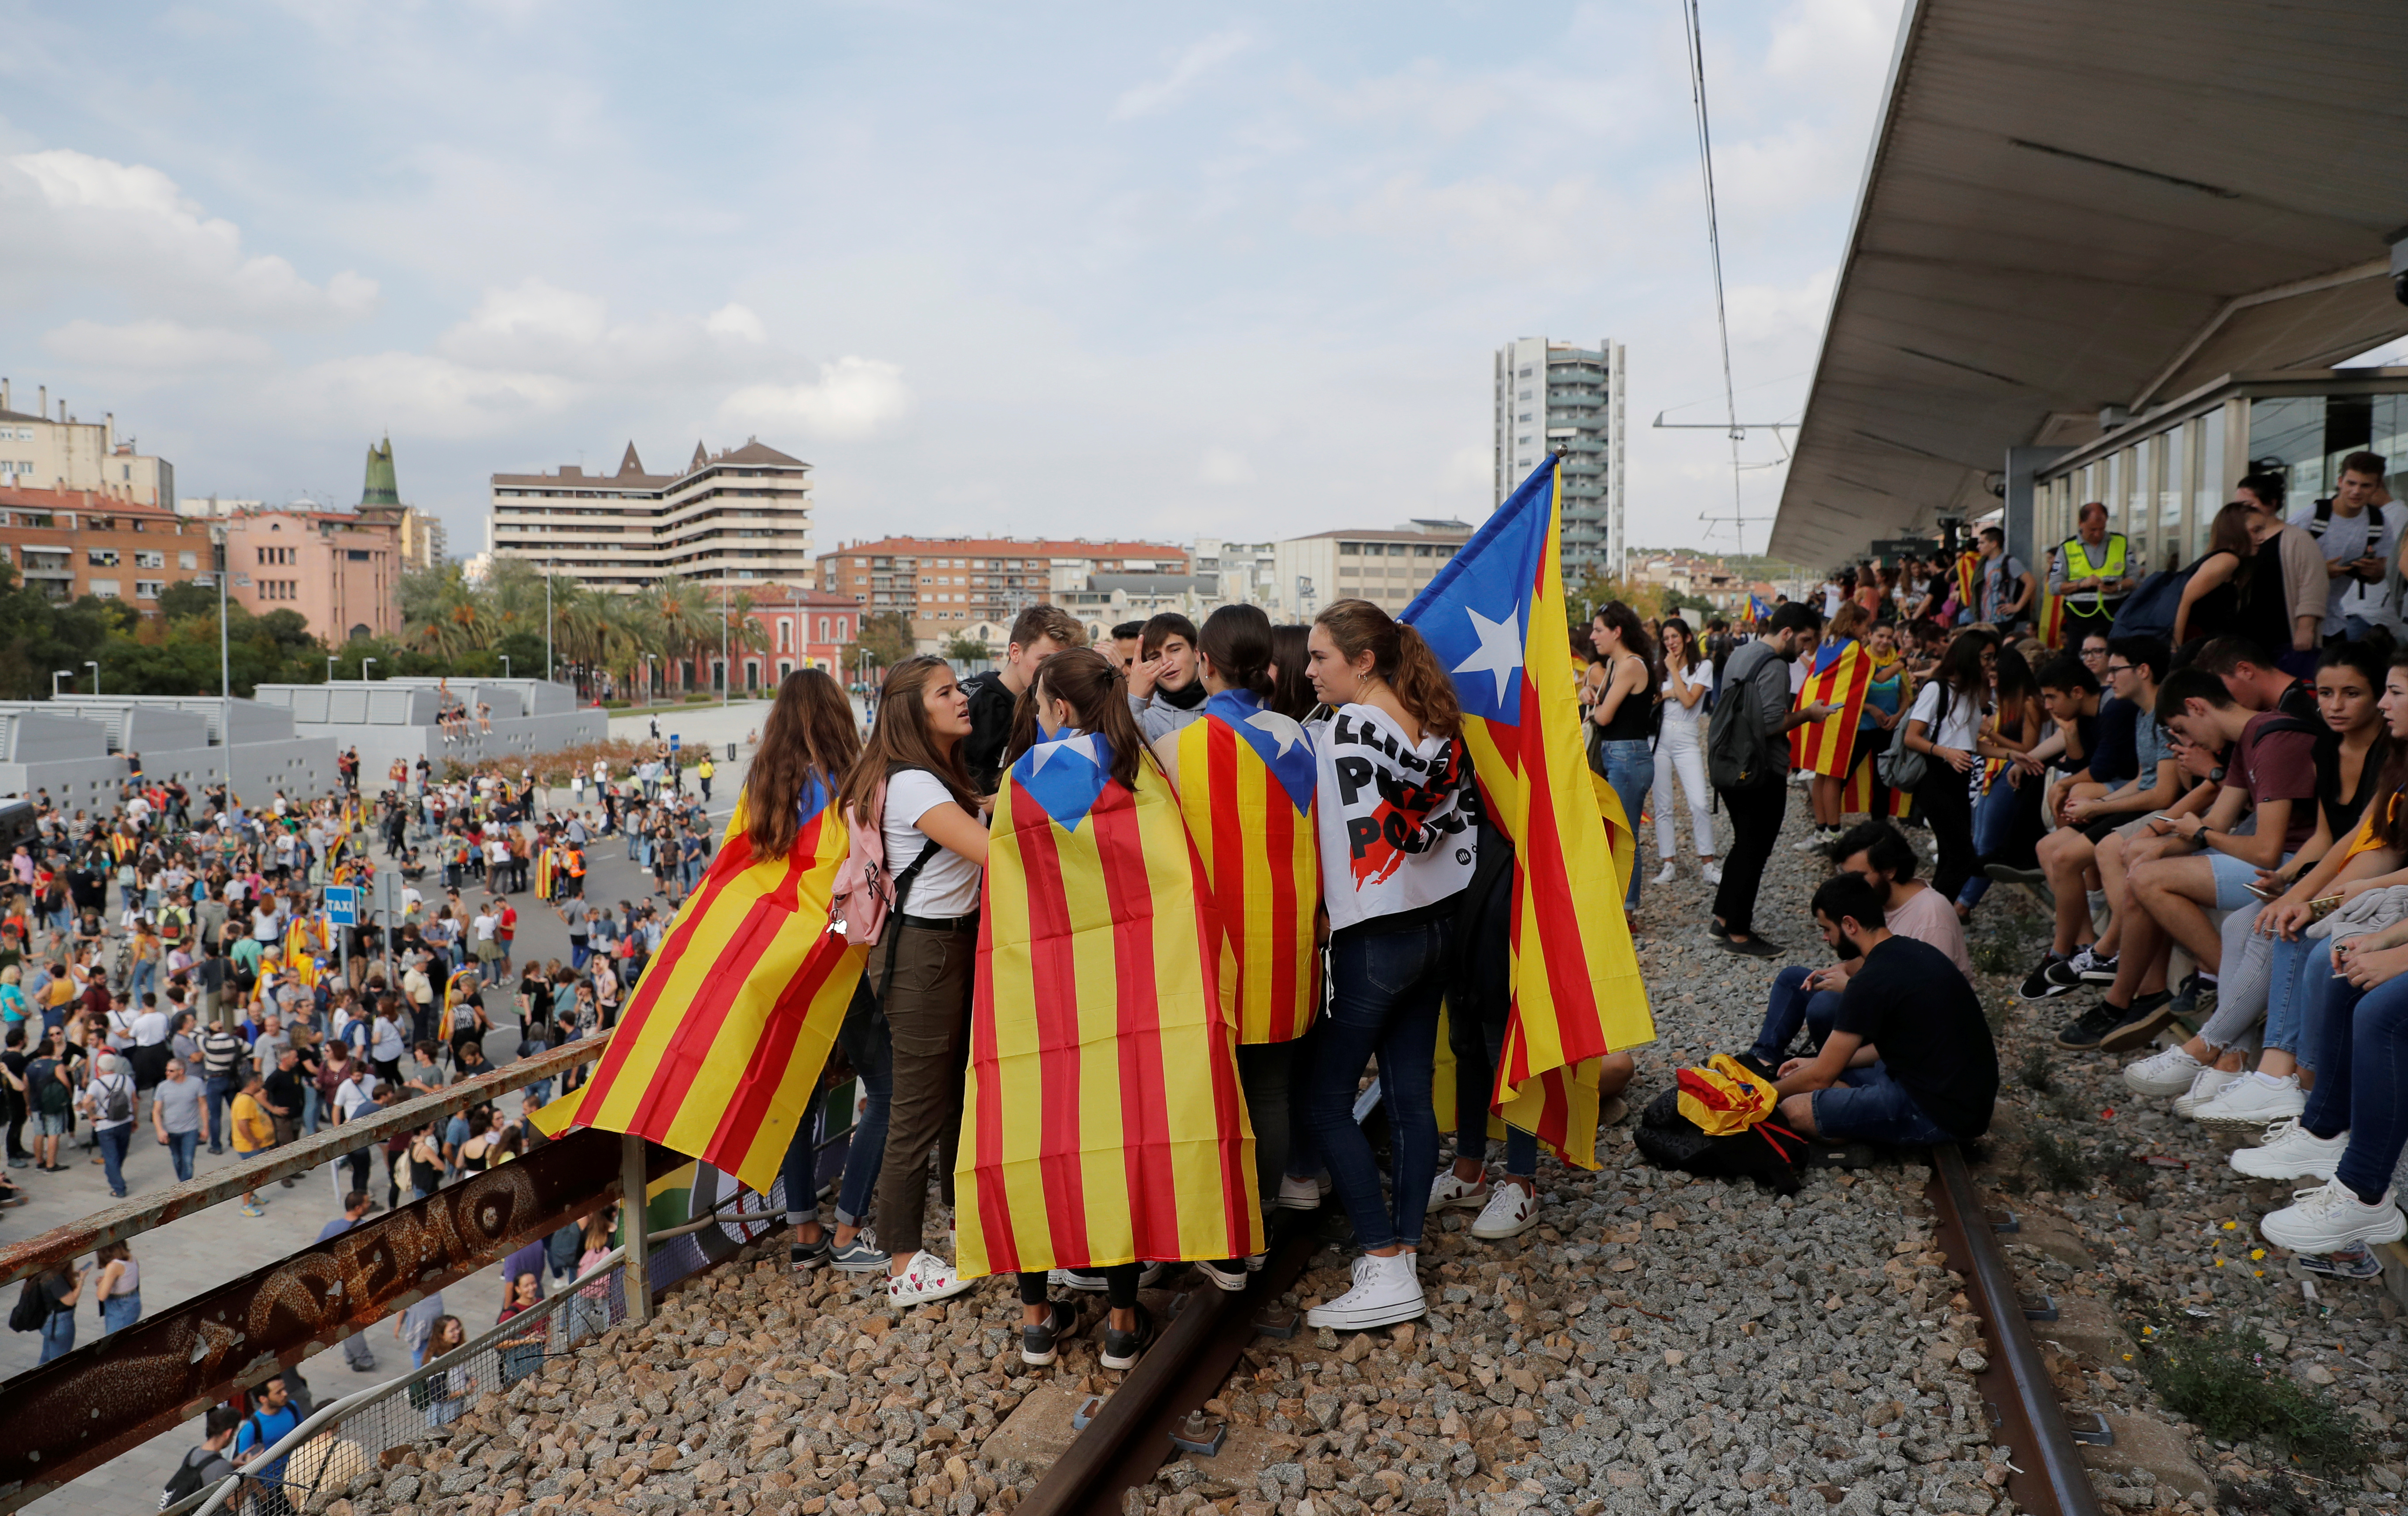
(132, 1218)
(81, 1410)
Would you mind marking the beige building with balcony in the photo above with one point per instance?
(48, 449)
(1386, 567)
(744, 514)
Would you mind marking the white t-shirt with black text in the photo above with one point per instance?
(1394, 833)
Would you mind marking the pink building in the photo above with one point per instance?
(803, 628)
(340, 571)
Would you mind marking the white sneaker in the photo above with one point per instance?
(2205, 1086)
(1668, 873)
(1092, 1280)
(1509, 1213)
(2161, 1074)
(1710, 871)
(927, 1278)
(1231, 1280)
(2331, 1218)
(1301, 1194)
(2251, 1102)
(2291, 1151)
(1447, 1191)
(1386, 1291)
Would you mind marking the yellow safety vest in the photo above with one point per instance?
(2113, 568)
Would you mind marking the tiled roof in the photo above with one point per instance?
(1007, 547)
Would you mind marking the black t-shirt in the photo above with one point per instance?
(1910, 1002)
(2111, 743)
(991, 704)
(284, 1089)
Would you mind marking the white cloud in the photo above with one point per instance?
(154, 346)
(1569, 223)
(1156, 95)
(855, 397)
(737, 322)
(73, 216)
(532, 322)
(433, 396)
(1224, 465)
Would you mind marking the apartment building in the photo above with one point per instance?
(1386, 567)
(71, 543)
(47, 449)
(743, 514)
(947, 586)
(1243, 573)
(1694, 577)
(340, 570)
(1553, 395)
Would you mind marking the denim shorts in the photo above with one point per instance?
(2232, 880)
(49, 1124)
(1869, 1104)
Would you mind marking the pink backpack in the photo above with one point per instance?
(866, 893)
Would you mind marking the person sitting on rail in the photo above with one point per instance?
(1880, 855)
(1910, 1059)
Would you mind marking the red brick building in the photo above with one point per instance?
(71, 543)
(948, 585)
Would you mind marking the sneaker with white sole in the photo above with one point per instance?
(1448, 1192)
(2291, 1151)
(2162, 1074)
(2205, 1086)
(2099, 970)
(1386, 1291)
(2331, 1218)
(1511, 1212)
(1122, 1350)
(1040, 1344)
(927, 1278)
(1710, 871)
(2252, 1103)
(2067, 972)
(862, 1255)
(1231, 1276)
(1669, 872)
(1301, 1194)
(1091, 1281)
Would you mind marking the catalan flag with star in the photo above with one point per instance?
(1843, 671)
(1102, 1122)
(1495, 618)
(1245, 779)
(721, 1043)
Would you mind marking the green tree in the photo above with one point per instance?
(885, 636)
(967, 650)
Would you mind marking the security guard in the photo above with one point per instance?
(2089, 573)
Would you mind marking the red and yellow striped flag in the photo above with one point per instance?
(724, 1039)
(1495, 618)
(2052, 615)
(1245, 778)
(1102, 1122)
(1969, 585)
(1840, 678)
(547, 868)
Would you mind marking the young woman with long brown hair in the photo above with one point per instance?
(809, 745)
(909, 781)
(1396, 852)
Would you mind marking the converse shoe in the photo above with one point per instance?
(1668, 873)
(2205, 1086)
(2069, 971)
(1122, 1350)
(2251, 1102)
(2331, 1218)
(1710, 871)
(1511, 1212)
(1301, 1194)
(1447, 1191)
(2291, 1151)
(1386, 1291)
(1091, 1281)
(2162, 1074)
(1230, 1276)
(1040, 1344)
(926, 1278)
(2041, 985)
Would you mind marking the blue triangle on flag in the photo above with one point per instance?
(813, 799)
(1280, 742)
(1066, 777)
(1476, 614)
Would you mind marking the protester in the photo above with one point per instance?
(1680, 752)
(1749, 733)
(1623, 715)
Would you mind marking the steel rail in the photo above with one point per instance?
(2031, 1424)
(132, 1218)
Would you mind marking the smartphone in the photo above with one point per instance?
(2265, 892)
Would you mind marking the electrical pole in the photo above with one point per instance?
(225, 666)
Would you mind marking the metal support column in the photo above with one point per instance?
(635, 1230)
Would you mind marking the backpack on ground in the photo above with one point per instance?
(1766, 1152)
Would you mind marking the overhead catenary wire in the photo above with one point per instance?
(1695, 36)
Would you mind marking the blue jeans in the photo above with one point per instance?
(1994, 822)
(221, 1092)
(120, 1312)
(1386, 992)
(1631, 768)
(2299, 982)
(180, 1148)
(113, 1142)
(2361, 1083)
(143, 981)
(1869, 1104)
(864, 1039)
(58, 1335)
(1789, 1008)
(310, 1109)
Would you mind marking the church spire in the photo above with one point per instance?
(379, 488)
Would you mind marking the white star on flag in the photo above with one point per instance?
(1282, 730)
(1045, 752)
(1499, 651)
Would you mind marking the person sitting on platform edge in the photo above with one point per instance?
(1909, 1060)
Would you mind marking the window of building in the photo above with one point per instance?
(147, 589)
(786, 635)
(1350, 549)
(100, 557)
(106, 588)
(146, 558)
(824, 629)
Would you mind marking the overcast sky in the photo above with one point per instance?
(1070, 269)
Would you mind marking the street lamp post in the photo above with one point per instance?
(365, 663)
(546, 622)
(95, 675)
(724, 683)
(506, 663)
(56, 675)
(225, 666)
(652, 684)
(330, 668)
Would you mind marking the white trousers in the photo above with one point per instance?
(1679, 750)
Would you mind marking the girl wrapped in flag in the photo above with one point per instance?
(1244, 774)
(1826, 748)
(1103, 1123)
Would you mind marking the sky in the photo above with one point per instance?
(1049, 269)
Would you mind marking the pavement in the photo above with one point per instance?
(202, 1250)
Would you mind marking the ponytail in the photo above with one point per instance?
(1398, 656)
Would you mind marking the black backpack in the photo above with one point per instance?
(32, 1311)
(187, 1480)
(1767, 1153)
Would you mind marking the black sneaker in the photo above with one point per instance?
(2040, 985)
(2136, 1025)
(1122, 1350)
(1755, 946)
(1040, 1344)
(2068, 971)
(2101, 971)
(802, 1257)
(1717, 930)
(2005, 874)
(2096, 1023)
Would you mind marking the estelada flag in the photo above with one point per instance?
(1102, 1122)
(721, 1042)
(546, 866)
(1245, 778)
(1969, 585)
(1495, 617)
(2052, 615)
(1842, 673)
